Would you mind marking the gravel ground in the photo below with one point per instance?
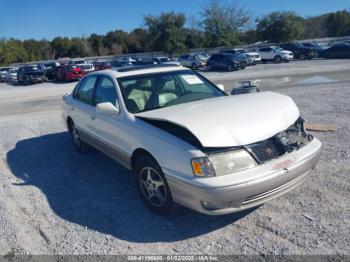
(56, 201)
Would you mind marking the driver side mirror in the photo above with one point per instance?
(108, 108)
(221, 87)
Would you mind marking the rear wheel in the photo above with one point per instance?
(152, 186)
(78, 144)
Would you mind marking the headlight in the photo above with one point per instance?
(231, 162)
(222, 164)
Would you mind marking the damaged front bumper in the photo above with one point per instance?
(246, 189)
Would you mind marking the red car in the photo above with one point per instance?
(68, 73)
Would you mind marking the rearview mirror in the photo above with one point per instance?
(107, 108)
(221, 87)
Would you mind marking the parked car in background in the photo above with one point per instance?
(102, 65)
(68, 72)
(192, 61)
(255, 56)
(49, 69)
(223, 61)
(77, 62)
(163, 60)
(315, 46)
(336, 51)
(86, 68)
(12, 75)
(143, 62)
(117, 63)
(275, 54)
(30, 74)
(190, 143)
(299, 50)
(243, 59)
(3, 73)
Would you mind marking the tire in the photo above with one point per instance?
(277, 59)
(152, 186)
(78, 144)
(264, 61)
(243, 65)
(209, 68)
(194, 66)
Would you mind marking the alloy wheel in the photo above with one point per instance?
(152, 187)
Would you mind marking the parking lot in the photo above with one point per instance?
(56, 201)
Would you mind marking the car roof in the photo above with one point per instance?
(140, 70)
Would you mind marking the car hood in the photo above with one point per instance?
(231, 120)
(286, 52)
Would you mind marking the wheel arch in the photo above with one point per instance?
(69, 122)
(139, 152)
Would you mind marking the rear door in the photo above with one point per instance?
(266, 53)
(82, 108)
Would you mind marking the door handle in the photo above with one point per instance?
(93, 117)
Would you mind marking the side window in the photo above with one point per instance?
(105, 91)
(84, 93)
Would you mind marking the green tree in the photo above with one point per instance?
(222, 23)
(280, 27)
(166, 32)
(12, 51)
(315, 27)
(137, 42)
(96, 43)
(338, 24)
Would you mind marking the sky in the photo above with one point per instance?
(46, 19)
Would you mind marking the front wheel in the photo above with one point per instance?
(277, 59)
(152, 186)
(243, 65)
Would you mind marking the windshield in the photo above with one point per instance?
(152, 91)
(31, 68)
(277, 48)
(165, 59)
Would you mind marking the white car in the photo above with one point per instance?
(275, 54)
(193, 61)
(86, 68)
(254, 55)
(12, 75)
(3, 73)
(187, 141)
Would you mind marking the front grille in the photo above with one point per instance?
(266, 150)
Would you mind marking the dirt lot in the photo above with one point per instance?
(56, 201)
